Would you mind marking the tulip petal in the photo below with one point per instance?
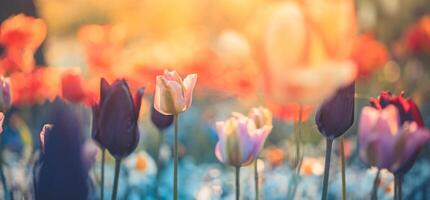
(168, 99)
(189, 84)
(138, 100)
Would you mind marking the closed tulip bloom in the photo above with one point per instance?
(336, 115)
(159, 120)
(172, 94)
(115, 118)
(407, 108)
(240, 141)
(261, 117)
(385, 142)
(5, 94)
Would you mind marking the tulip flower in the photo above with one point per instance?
(62, 159)
(115, 121)
(407, 108)
(73, 87)
(387, 143)
(240, 142)
(20, 36)
(173, 96)
(5, 94)
(159, 120)
(262, 117)
(334, 117)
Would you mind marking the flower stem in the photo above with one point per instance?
(342, 156)
(237, 182)
(326, 168)
(102, 184)
(160, 142)
(375, 186)
(257, 196)
(3, 181)
(398, 187)
(298, 163)
(175, 169)
(115, 182)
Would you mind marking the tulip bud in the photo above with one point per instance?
(5, 94)
(386, 143)
(115, 118)
(172, 94)
(240, 141)
(159, 120)
(336, 115)
(261, 117)
(407, 108)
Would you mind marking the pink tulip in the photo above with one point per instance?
(172, 94)
(240, 141)
(386, 143)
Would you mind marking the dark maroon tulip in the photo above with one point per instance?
(159, 120)
(336, 115)
(115, 118)
(407, 108)
(60, 172)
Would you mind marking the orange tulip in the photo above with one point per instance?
(307, 46)
(20, 36)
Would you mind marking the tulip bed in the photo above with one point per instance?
(206, 100)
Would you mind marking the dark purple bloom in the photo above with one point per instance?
(60, 173)
(407, 108)
(336, 115)
(115, 118)
(159, 120)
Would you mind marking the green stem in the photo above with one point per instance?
(257, 196)
(115, 182)
(375, 186)
(175, 169)
(342, 156)
(160, 142)
(102, 184)
(3, 181)
(326, 168)
(298, 163)
(398, 187)
(237, 183)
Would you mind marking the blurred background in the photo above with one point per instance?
(238, 51)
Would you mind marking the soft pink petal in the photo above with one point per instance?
(189, 84)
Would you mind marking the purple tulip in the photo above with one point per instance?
(115, 118)
(385, 142)
(336, 115)
(60, 173)
(159, 120)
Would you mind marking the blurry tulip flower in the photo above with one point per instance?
(115, 118)
(240, 141)
(375, 57)
(336, 115)
(407, 109)
(387, 143)
(307, 47)
(172, 94)
(62, 159)
(159, 120)
(20, 36)
(5, 94)
(73, 87)
(261, 116)
(417, 37)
